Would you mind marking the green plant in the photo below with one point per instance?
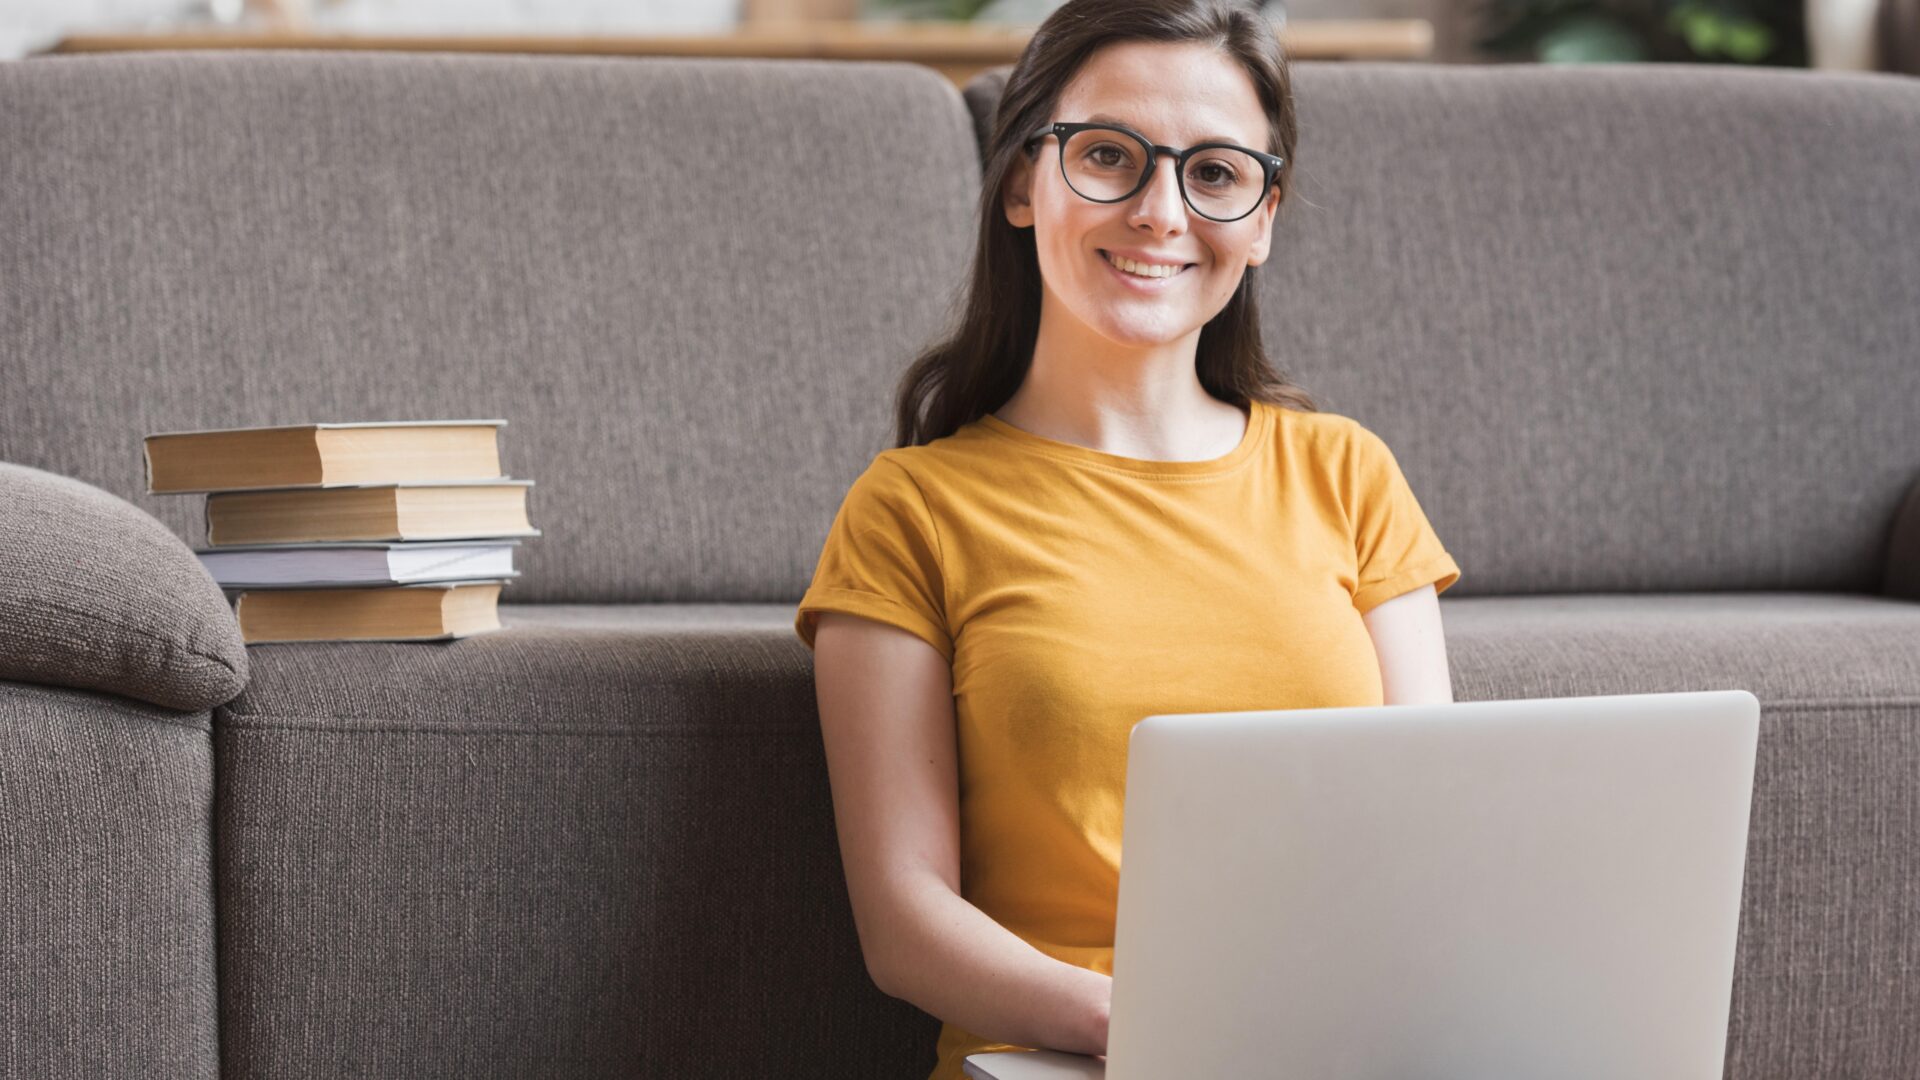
(1771, 32)
(931, 9)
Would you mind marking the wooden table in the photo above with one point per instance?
(956, 50)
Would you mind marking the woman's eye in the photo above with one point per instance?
(1213, 173)
(1109, 156)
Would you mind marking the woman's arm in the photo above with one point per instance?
(1412, 647)
(887, 718)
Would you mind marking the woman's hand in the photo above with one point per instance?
(1081, 1017)
(1100, 1011)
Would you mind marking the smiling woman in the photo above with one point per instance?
(1105, 504)
(1165, 92)
(1068, 273)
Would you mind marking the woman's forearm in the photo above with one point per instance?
(955, 962)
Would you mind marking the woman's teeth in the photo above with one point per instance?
(1139, 269)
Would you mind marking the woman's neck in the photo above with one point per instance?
(1142, 403)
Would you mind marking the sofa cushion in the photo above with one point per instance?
(99, 595)
(604, 837)
(598, 843)
(688, 284)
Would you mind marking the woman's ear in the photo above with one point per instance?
(1016, 198)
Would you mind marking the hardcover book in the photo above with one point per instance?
(401, 511)
(322, 455)
(395, 613)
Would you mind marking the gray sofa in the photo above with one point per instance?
(1643, 338)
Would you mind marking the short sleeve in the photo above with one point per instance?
(882, 560)
(1396, 548)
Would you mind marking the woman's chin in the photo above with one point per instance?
(1143, 333)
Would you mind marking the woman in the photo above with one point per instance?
(1104, 504)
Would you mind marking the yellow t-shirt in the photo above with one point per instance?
(1077, 592)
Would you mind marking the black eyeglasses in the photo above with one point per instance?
(1105, 163)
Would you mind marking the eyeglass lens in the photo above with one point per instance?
(1106, 165)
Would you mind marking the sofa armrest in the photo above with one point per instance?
(106, 887)
(1903, 551)
(100, 595)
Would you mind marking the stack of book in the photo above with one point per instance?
(391, 531)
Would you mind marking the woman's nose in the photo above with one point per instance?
(1159, 203)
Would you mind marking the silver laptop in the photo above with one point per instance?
(1540, 888)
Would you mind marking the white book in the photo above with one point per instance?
(254, 566)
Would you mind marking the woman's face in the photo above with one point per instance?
(1175, 95)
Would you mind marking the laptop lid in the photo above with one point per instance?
(1507, 888)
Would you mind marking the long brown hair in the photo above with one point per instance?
(980, 365)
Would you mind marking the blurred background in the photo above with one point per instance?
(962, 36)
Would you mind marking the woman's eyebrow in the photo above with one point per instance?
(1103, 118)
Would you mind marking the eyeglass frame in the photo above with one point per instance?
(1270, 163)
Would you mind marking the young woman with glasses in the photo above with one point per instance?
(1104, 503)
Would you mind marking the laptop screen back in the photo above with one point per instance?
(1508, 888)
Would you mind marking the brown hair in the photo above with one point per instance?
(980, 365)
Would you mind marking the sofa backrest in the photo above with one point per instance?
(688, 285)
(1628, 327)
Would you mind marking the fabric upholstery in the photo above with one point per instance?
(99, 595)
(599, 843)
(603, 839)
(106, 888)
(1612, 318)
(687, 285)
